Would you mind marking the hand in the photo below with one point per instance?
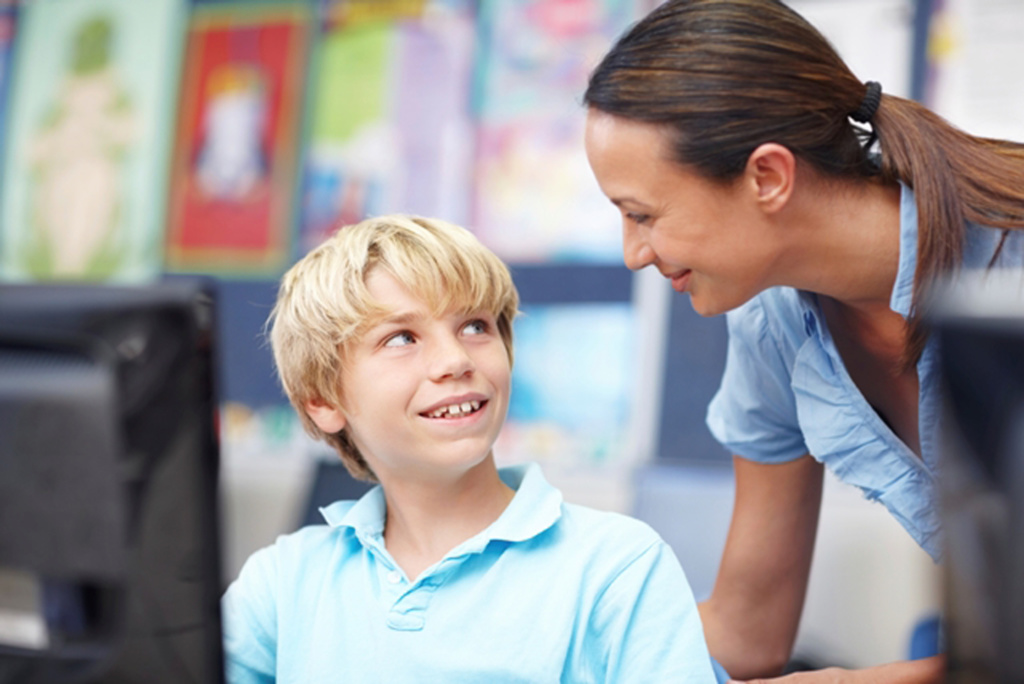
(923, 671)
(831, 675)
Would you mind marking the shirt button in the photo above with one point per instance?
(810, 324)
(394, 577)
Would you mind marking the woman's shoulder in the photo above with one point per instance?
(986, 247)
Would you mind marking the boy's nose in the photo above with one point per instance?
(450, 360)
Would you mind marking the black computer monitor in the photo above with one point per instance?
(980, 329)
(109, 542)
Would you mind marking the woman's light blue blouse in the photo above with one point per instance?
(550, 592)
(785, 391)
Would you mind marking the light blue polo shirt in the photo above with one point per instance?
(785, 391)
(550, 592)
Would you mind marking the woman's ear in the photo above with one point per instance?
(772, 170)
(325, 416)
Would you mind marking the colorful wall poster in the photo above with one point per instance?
(573, 387)
(536, 199)
(390, 128)
(233, 178)
(95, 82)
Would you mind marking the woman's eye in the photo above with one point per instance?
(399, 339)
(639, 219)
(475, 327)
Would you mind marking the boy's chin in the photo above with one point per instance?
(457, 467)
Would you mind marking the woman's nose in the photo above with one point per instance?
(636, 252)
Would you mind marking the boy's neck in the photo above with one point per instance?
(427, 519)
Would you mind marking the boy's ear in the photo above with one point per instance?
(771, 168)
(325, 416)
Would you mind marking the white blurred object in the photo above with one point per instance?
(874, 37)
(975, 51)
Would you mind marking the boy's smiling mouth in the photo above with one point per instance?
(455, 410)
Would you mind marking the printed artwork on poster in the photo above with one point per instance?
(563, 411)
(536, 199)
(391, 128)
(86, 156)
(233, 179)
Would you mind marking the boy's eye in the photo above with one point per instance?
(399, 339)
(475, 327)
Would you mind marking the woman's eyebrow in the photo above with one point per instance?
(619, 201)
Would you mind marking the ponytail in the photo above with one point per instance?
(957, 178)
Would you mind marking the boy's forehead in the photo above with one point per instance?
(437, 298)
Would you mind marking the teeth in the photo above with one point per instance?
(455, 410)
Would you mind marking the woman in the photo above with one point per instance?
(722, 131)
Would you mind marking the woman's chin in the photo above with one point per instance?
(713, 306)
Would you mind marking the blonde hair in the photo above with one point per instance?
(323, 303)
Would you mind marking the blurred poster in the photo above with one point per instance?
(572, 387)
(233, 179)
(8, 26)
(86, 154)
(536, 198)
(391, 127)
(975, 50)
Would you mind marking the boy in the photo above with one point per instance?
(393, 341)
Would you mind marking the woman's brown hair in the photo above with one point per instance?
(726, 76)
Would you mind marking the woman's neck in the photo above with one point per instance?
(427, 519)
(846, 241)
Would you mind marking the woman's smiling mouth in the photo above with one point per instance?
(680, 280)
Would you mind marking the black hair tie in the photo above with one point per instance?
(869, 105)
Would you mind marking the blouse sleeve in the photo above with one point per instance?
(753, 414)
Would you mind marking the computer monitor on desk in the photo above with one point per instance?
(109, 542)
(980, 329)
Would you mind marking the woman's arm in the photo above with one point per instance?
(924, 671)
(751, 618)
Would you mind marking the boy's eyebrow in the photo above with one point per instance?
(399, 318)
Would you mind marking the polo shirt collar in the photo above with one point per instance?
(536, 506)
(903, 288)
(365, 516)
